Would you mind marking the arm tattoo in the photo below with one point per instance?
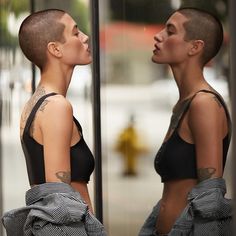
(205, 173)
(36, 96)
(29, 106)
(43, 105)
(64, 176)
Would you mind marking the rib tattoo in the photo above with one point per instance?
(64, 176)
(205, 173)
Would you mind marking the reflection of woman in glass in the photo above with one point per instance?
(59, 162)
(192, 157)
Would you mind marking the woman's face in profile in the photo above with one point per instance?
(170, 46)
(75, 49)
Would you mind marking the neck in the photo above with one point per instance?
(189, 80)
(56, 80)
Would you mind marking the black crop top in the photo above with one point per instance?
(176, 159)
(82, 160)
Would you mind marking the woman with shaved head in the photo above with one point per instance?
(192, 157)
(59, 162)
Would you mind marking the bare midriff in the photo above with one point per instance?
(173, 202)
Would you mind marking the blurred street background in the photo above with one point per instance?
(136, 100)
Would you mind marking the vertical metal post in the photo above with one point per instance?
(1, 156)
(33, 68)
(1, 188)
(97, 108)
(232, 19)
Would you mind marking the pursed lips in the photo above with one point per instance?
(87, 47)
(157, 49)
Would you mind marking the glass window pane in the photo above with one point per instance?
(137, 99)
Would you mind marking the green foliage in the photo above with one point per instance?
(80, 14)
(6, 39)
(7, 7)
(76, 8)
(19, 6)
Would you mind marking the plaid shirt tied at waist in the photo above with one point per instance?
(208, 212)
(52, 209)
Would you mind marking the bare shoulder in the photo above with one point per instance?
(205, 104)
(50, 104)
(56, 103)
(206, 113)
(56, 109)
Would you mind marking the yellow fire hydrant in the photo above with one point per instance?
(129, 146)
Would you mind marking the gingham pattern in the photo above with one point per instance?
(52, 209)
(207, 214)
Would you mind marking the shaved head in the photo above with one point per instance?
(37, 30)
(203, 26)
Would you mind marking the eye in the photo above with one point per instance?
(169, 32)
(170, 29)
(76, 33)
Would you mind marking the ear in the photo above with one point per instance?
(196, 47)
(54, 49)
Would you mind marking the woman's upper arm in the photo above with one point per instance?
(56, 128)
(206, 122)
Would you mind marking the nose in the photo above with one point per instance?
(84, 37)
(158, 37)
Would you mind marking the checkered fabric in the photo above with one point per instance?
(52, 209)
(208, 213)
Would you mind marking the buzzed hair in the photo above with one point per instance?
(202, 25)
(37, 30)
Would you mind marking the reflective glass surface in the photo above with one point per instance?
(136, 101)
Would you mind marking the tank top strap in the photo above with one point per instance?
(178, 116)
(187, 104)
(221, 100)
(34, 110)
(78, 125)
